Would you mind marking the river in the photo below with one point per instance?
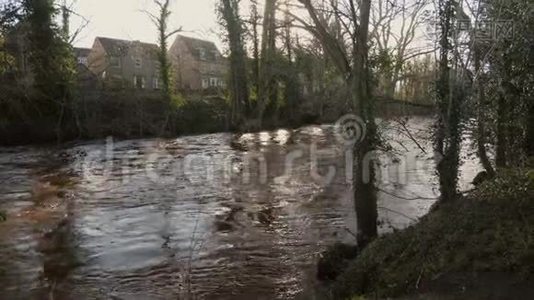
(190, 218)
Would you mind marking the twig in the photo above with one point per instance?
(399, 213)
(190, 258)
(419, 279)
(405, 198)
(411, 136)
(351, 233)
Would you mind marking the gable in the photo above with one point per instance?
(116, 47)
(200, 49)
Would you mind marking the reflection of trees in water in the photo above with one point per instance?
(57, 246)
(59, 256)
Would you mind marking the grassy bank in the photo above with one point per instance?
(476, 247)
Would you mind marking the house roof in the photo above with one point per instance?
(81, 52)
(195, 45)
(118, 47)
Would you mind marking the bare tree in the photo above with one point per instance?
(350, 56)
(67, 11)
(394, 28)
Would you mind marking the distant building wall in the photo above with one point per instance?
(197, 64)
(125, 64)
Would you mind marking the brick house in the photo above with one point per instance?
(197, 64)
(125, 64)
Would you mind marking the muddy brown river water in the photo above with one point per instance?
(190, 218)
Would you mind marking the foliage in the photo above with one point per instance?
(202, 115)
(51, 58)
(7, 60)
(510, 77)
(9, 16)
(177, 100)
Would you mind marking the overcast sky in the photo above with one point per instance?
(124, 19)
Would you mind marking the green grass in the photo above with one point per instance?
(491, 230)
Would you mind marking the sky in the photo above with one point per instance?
(124, 19)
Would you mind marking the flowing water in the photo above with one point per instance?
(199, 217)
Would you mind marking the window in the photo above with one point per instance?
(139, 82)
(202, 53)
(138, 62)
(205, 83)
(82, 61)
(115, 61)
(155, 83)
(213, 81)
(221, 83)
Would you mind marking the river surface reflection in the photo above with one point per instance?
(189, 218)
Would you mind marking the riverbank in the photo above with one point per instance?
(127, 114)
(477, 247)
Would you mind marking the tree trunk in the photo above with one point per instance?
(481, 130)
(530, 130)
(500, 158)
(358, 89)
(448, 135)
(267, 85)
(238, 80)
(65, 14)
(365, 197)
(255, 46)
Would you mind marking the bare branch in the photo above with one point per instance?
(168, 35)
